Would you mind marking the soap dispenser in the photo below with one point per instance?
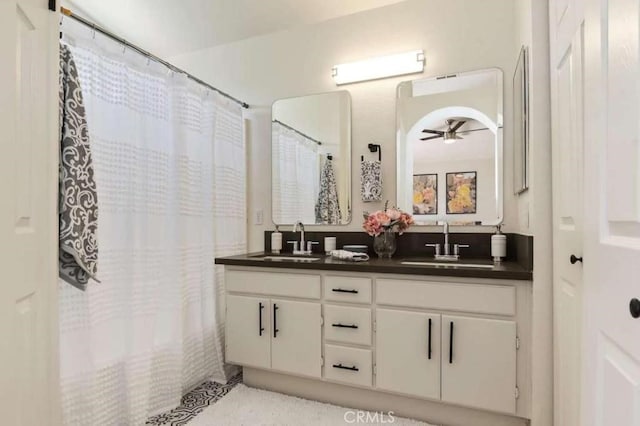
(276, 241)
(498, 245)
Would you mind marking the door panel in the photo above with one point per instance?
(247, 343)
(402, 353)
(296, 337)
(618, 386)
(479, 363)
(568, 188)
(611, 373)
(28, 214)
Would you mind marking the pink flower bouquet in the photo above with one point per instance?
(391, 218)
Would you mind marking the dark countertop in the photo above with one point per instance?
(505, 270)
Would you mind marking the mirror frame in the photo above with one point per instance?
(521, 115)
(499, 136)
(349, 218)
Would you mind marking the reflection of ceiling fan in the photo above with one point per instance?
(451, 134)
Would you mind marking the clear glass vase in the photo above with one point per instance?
(385, 244)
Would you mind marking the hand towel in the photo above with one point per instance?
(349, 255)
(328, 206)
(78, 199)
(371, 180)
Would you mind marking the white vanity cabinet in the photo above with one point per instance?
(408, 352)
(442, 340)
(479, 362)
(296, 337)
(248, 331)
(273, 332)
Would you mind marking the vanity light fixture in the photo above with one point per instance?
(379, 67)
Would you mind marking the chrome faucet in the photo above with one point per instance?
(299, 246)
(447, 247)
(299, 225)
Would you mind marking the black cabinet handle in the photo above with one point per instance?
(634, 308)
(260, 327)
(275, 320)
(340, 290)
(354, 368)
(344, 325)
(451, 342)
(429, 338)
(573, 259)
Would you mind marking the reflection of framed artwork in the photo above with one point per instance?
(425, 194)
(461, 193)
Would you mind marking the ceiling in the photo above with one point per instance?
(168, 27)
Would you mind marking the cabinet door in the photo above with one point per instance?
(296, 337)
(479, 363)
(248, 331)
(408, 352)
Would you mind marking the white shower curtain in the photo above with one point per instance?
(296, 176)
(169, 162)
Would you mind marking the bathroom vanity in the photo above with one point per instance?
(446, 344)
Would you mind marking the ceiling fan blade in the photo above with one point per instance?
(430, 137)
(458, 125)
(472, 130)
(435, 132)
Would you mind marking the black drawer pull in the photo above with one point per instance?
(260, 327)
(344, 325)
(275, 320)
(573, 259)
(341, 290)
(429, 348)
(354, 368)
(451, 342)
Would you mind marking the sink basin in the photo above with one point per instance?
(290, 258)
(454, 264)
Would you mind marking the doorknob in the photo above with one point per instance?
(573, 259)
(634, 308)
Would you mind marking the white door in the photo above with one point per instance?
(408, 352)
(28, 215)
(611, 374)
(248, 331)
(567, 65)
(296, 337)
(479, 363)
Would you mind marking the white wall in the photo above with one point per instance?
(534, 206)
(456, 35)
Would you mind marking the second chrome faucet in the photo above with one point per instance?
(299, 246)
(447, 255)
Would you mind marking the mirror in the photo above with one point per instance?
(521, 124)
(449, 148)
(311, 159)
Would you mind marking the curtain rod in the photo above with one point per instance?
(94, 27)
(298, 132)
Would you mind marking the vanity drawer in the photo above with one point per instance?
(273, 283)
(478, 298)
(348, 365)
(347, 289)
(347, 324)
